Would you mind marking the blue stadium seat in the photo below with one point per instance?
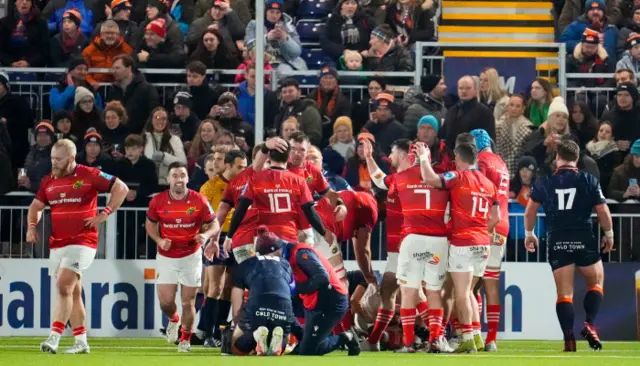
(317, 9)
(314, 57)
(309, 30)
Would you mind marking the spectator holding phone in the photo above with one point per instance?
(226, 113)
(363, 108)
(624, 182)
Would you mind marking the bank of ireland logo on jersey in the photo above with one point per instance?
(78, 184)
(178, 221)
(63, 195)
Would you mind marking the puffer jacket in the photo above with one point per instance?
(99, 55)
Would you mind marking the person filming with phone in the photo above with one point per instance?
(226, 114)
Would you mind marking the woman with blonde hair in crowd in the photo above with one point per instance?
(161, 146)
(203, 141)
(491, 94)
(289, 126)
(512, 130)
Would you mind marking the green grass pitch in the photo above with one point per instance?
(21, 351)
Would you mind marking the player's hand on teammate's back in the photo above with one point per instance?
(276, 143)
(211, 250)
(606, 243)
(32, 235)
(531, 243)
(164, 244)
(93, 222)
(340, 212)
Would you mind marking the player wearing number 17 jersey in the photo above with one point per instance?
(474, 213)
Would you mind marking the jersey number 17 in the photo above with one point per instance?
(568, 204)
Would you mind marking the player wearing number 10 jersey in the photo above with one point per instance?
(474, 213)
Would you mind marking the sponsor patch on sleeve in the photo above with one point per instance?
(449, 175)
(106, 176)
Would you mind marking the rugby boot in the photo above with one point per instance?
(78, 348)
(51, 344)
(260, 335)
(275, 347)
(591, 335)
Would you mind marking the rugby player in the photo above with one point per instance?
(474, 213)
(568, 198)
(71, 191)
(323, 295)
(180, 221)
(493, 167)
(218, 297)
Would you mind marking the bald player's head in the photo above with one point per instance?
(467, 88)
(63, 157)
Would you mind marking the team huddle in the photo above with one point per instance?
(271, 248)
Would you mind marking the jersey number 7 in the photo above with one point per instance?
(561, 201)
(427, 194)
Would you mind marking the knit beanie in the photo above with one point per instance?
(119, 5)
(379, 80)
(60, 115)
(45, 127)
(161, 5)
(633, 39)
(429, 82)
(157, 27)
(382, 35)
(273, 4)
(183, 98)
(385, 99)
(590, 36)
(92, 136)
(483, 140)
(76, 61)
(429, 120)
(81, 93)
(267, 242)
(328, 71)
(228, 97)
(635, 8)
(557, 105)
(73, 15)
(527, 162)
(630, 88)
(635, 148)
(595, 4)
(343, 121)
(366, 135)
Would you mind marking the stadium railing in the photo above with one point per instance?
(596, 97)
(123, 235)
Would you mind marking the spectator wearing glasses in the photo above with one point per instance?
(104, 49)
(24, 38)
(221, 18)
(70, 42)
(115, 131)
(86, 114)
(55, 10)
(348, 28)
(161, 146)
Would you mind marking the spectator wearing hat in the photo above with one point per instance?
(430, 101)
(37, 164)
(55, 10)
(134, 92)
(86, 114)
(115, 131)
(222, 18)
(412, 21)
(159, 9)
(62, 124)
(70, 42)
(157, 51)
(342, 140)
(348, 28)
(427, 132)
(226, 114)
(523, 179)
(17, 116)
(184, 123)
(631, 25)
(305, 110)
(244, 8)
(204, 93)
(249, 56)
(385, 53)
(62, 96)
(24, 37)
(246, 94)
(364, 107)
(282, 39)
(383, 124)
(577, 9)
(512, 130)
(121, 14)
(630, 59)
(624, 117)
(214, 52)
(330, 101)
(466, 115)
(104, 49)
(595, 18)
(356, 172)
(93, 155)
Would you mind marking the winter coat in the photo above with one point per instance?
(623, 34)
(308, 115)
(608, 157)
(37, 165)
(230, 27)
(620, 180)
(7, 174)
(204, 97)
(572, 35)
(464, 117)
(425, 104)
(152, 144)
(19, 119)
(182, 12)
(174, 34)
(238, 127)
(128, 29)
(421, 17)
(54, 10)
(62, 96)
(573, 9)
(386, 132)
(510, 138)
(534, 147)
(139, 99)
(241, 7)
(165, 55)
(625, 124)
(100, 56)
(247, 105)
(35, 52)
(103, 162)
(58, 57)
(141, 177)
(600, 64)
(396, 59)
(116, 136)
(342, 108)
(627, 62)
(287, 51)
(497, 107)
(331, 40)
(189, 127)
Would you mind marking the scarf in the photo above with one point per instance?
(69, 42)
(598, 149)
(19, 36)
(329, 108)
(350, 33)
(402, 21)
(364, 176)
(588, 66)
(537, 116)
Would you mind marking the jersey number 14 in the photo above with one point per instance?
(565, 204)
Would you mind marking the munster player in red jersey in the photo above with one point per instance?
(180, 221)
(494, 168)
(71, 191)
(474, 213)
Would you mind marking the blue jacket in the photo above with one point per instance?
(336, 182)
(55, 20)
(246, 104)
(62, 98)
(572, 35)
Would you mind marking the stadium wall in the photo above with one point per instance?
(121, 300)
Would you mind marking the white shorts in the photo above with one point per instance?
(422, 259)
(243, 252)
(392, 263)
(186, 271)
(77, 258)
(468, 259)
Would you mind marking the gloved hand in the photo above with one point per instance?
(157, 156)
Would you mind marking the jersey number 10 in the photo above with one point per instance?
(274, 202)
(568, 204)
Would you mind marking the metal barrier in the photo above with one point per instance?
(596, 97)
(123, 237)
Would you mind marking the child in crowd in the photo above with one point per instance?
(249, 55)
(631, 58)
(351, 61)
(520, 185)
(62, 123)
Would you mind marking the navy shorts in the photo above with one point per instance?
(219, 261)
(269, 312)
(572, 247)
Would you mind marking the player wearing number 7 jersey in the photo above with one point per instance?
(569, 197)
(474, 213)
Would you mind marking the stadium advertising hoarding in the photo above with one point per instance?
(515, 73)
(121, 300)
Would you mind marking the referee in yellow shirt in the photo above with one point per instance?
(220, 166)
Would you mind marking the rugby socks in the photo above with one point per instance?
(382, 322)
(423, 309)
(57, 328)
(477, 328)
(186, 335)
(408, 320)
(208, 315)
(493, 322)
(592, 302)
(456, 327)
(566, 315)
(467, 332)
(80, 335)
(221, 317)
(175, 318)
(479, 300)
(435, 323)
(347, 321)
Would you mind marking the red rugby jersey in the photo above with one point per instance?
(73, 199)
(231, 196)
(394, 216)
(362, 212)
(494, 168)
(316, 182)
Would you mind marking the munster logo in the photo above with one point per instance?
(309, 179)
(77, 184)
(191, 210)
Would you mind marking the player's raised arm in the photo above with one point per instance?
(377, 175)
(429, 176)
